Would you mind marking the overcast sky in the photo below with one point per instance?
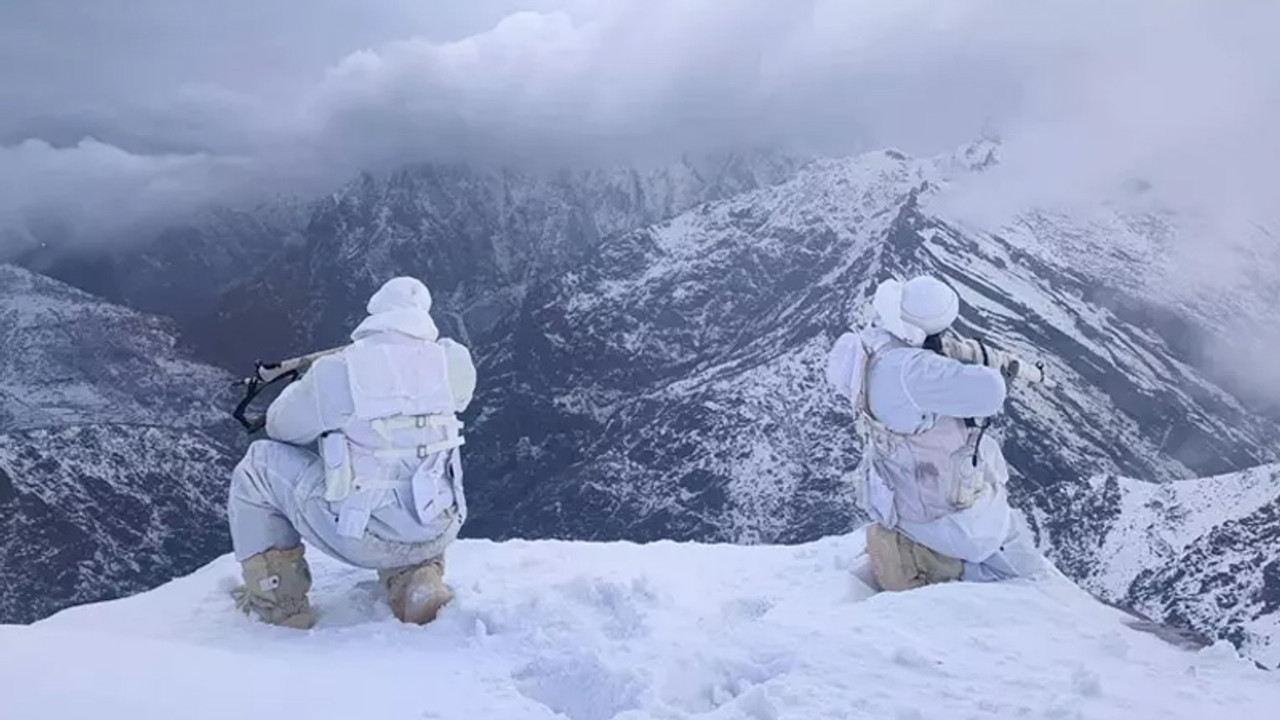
(118, 109)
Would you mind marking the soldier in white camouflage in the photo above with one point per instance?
(362, 463)
(931, 477)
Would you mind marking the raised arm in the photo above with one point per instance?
(943, 386)
(317, 402)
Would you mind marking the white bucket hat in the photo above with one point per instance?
(916, 309)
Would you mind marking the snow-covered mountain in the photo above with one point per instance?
(478, 236)
(579, 631)
(646, 378)
(114, 452)
(1202, 553)
(672, 384)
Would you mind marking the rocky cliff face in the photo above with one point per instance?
(479, 237)
(114, 452)
(672, 384)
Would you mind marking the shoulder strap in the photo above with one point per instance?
(861, 403)
(862, 369)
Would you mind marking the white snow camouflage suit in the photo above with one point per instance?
(918, 474)
(384, 491)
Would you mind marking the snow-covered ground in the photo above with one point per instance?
(594, 631)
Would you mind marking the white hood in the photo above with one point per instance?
(913, 310)
(888, 308)
(402, 305)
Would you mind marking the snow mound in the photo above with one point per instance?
(583, 631)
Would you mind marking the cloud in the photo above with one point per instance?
(143, 109)
(1180, 101)
(1182, 98)
(57, 193)
(120, 115)
(633, 78)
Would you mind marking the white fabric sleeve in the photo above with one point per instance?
(462, 373)
(842, 363)
(316, 403)
(943, 386)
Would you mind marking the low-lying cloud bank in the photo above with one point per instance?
(1087, 94)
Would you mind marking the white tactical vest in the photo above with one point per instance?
(403, 436)
(922, 476)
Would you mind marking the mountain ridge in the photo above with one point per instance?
(113, 456)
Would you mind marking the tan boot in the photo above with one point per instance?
(416, 592)
(275, 588)
(900, 563)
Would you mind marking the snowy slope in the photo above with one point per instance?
(597, 631)
(114, 451)
(71, 358)
(1203, 553)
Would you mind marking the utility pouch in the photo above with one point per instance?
(339, 475)
(968, 472)
(433, 492)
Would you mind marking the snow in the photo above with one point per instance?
(585, 631)
(1199, 549)
(1158, 521)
